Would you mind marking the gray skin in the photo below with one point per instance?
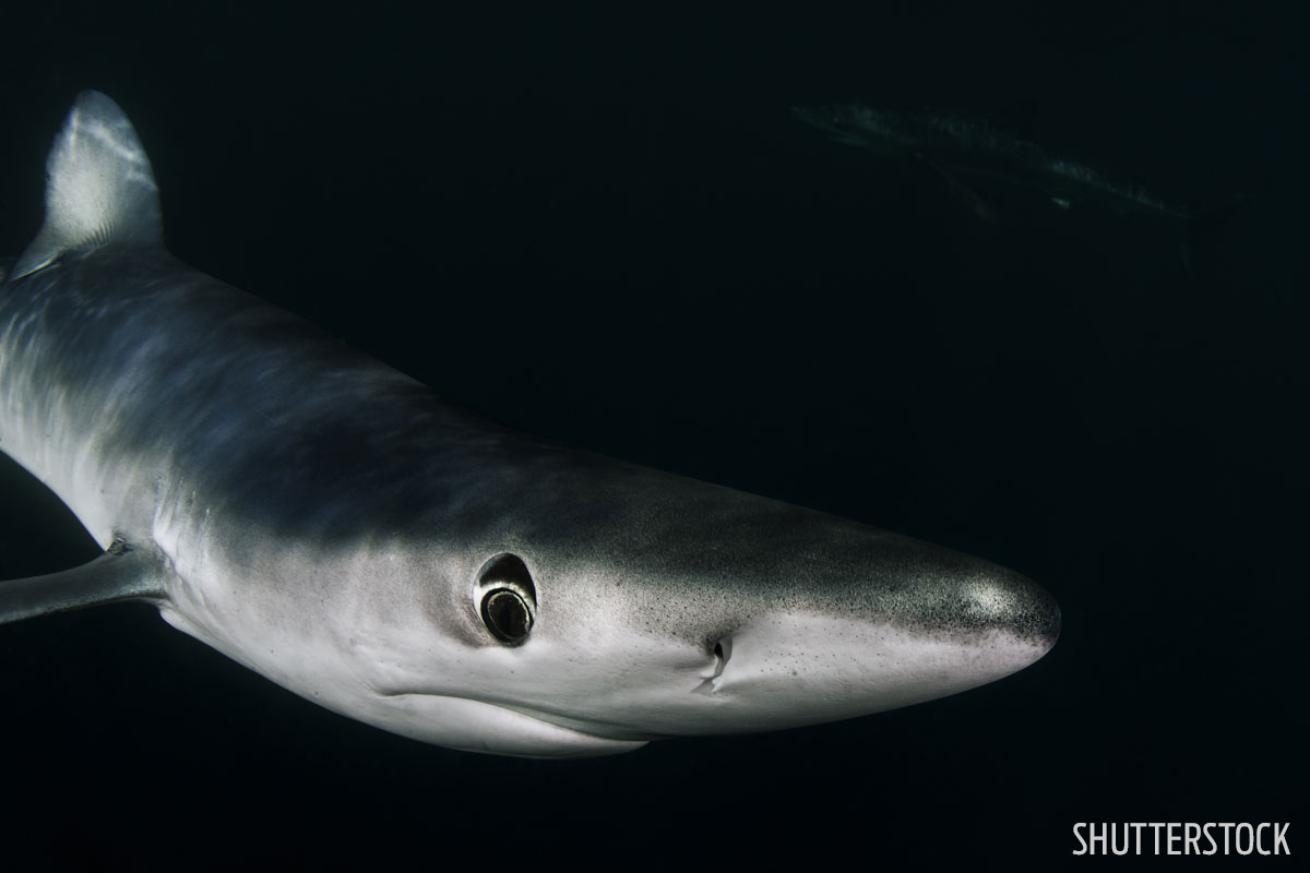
(328, 522)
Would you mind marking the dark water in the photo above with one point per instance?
(610, 231)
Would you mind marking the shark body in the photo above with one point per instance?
(326, 521)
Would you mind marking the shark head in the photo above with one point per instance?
(619, 606)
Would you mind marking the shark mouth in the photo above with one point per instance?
(477, 726)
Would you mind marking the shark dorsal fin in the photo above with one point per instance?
(99, 187)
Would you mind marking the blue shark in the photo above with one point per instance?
(329, 523)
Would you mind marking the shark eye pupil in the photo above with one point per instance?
(506, 615)
(509, 598)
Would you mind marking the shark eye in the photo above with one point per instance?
(506, 615)
(509, 599)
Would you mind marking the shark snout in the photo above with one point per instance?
(1000, 601)
(910, 633)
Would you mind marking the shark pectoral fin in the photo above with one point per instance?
(123, 572)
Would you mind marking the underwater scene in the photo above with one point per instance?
(871, 437)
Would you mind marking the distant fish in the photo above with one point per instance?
(958, 150)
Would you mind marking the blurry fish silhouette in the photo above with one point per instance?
(966, 155)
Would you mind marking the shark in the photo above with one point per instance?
(329, 523)
(967, 154)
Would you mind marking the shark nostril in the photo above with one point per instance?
(722, 652)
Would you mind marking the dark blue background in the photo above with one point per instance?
(608, 230)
